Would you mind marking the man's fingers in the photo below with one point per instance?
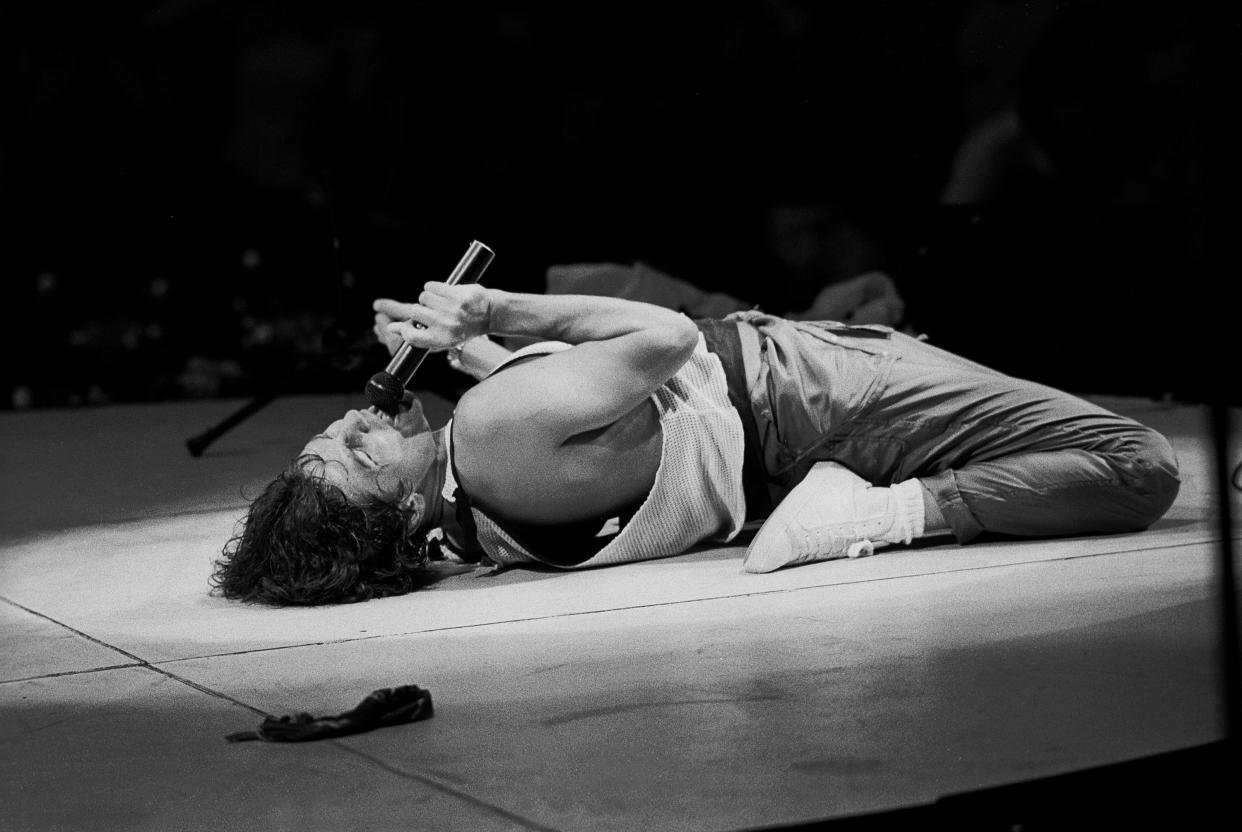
(427, 303)
(394, 309)
(425, 329)
(390, 340)
(418, 336)
(432, 300)
(437, 287)
(445, 313)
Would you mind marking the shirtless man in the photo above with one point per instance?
(632, 432)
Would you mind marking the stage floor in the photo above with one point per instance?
(680, 694)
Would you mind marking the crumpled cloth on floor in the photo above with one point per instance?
(388, 706)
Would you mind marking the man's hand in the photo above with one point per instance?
(476, 357)
(444, 317)
(391, 340)
(869, 298)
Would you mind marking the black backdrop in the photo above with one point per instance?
(173, 174)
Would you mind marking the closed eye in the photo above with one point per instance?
(363, 456)
(352, 442)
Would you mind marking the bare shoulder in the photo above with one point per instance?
(502, 408)
(485, 421)
(499, 440)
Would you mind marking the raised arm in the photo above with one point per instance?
(623, 350)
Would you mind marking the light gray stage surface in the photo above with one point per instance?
(674, 694)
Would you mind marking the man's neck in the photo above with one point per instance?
(441, 513)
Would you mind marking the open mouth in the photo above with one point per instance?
(408, 421)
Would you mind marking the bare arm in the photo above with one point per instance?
(623, 350)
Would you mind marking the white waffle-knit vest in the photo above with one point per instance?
(697, 494)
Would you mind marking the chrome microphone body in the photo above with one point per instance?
(386, 389)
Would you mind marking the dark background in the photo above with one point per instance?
(173, 176)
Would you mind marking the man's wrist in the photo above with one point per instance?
(493, 306)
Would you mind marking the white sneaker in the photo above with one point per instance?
(835, 513)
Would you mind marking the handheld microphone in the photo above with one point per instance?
(386, 389)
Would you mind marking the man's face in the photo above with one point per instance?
(367, 454)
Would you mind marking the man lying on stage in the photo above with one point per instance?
(633, 432)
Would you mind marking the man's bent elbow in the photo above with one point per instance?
(684, 337)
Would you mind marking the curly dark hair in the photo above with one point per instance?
(304, 542)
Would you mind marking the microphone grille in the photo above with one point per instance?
(385, 392)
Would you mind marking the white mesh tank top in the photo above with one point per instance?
(697, 494)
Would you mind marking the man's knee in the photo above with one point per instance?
(1153, 476)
